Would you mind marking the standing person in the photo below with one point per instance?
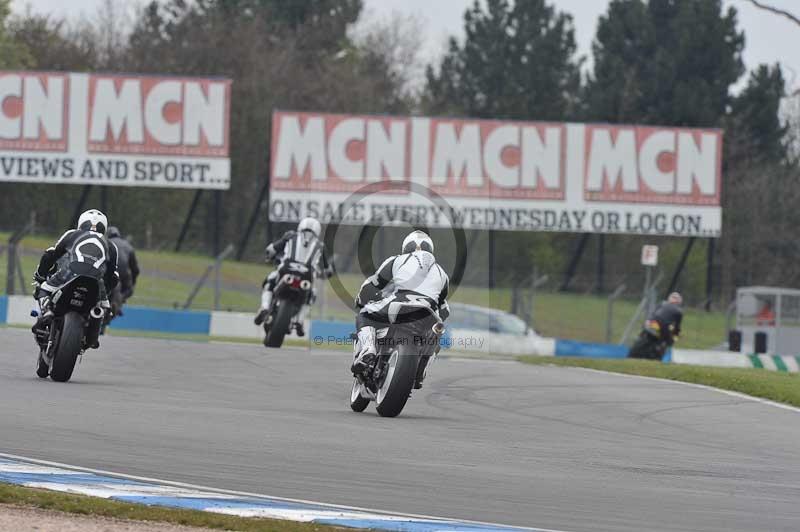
(303, 246)
(661, 330)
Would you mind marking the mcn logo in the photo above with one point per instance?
(33, 111)
(494, 159)
(114, 114)
(158, 116)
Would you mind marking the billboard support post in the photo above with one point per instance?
(81, 202)
(681, 264)
(601, 264)
(104, 200)
(187, 221)
(492, 279)
(253, 218)
(217, 223)
(709, 273)
(574, 261)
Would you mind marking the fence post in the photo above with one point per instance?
(610, 313)
(12, 264)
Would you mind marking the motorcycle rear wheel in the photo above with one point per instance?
(69, 347)
(280, 325)
(400, 376)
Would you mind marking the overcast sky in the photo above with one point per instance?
(770, 38)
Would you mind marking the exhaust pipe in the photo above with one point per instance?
(438, 328)
(97, 312)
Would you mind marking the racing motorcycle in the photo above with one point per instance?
(116, 300)
(291, 292)
(650, 344)
(67, 334)
(405, 348)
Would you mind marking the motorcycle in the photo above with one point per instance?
(650, 344)
(405, 348)
(67, 333)
(116, 300)
(292, 291)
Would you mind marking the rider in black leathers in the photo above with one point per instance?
(81, 251)
(661, 330)
(127, 266)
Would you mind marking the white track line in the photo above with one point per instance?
(259, 495)
(695, 385)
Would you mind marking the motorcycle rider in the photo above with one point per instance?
(84, 249)
(127, 267)
(414, 275)
(304, 246)
(663, 326)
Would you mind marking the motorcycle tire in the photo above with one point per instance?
(645, 347)
(279, 326)
(69, 347)
(358, 403)
(400, 375)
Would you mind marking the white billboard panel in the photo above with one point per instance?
(484, 174)
(109, 129)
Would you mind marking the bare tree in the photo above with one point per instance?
(776, 11)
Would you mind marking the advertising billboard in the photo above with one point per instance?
(109, 129)
(486, 174)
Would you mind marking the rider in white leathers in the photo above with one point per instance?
(304, 246)
(413, 275)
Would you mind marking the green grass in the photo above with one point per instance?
(169, 277)
(93, 506)
(773, 385)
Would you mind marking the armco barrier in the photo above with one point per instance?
(3, 308)
(171, 321)
(571, 348)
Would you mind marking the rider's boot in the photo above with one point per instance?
(266, 301)
(300, 322)
(365, 350)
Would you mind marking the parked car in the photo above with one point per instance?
(486, 330)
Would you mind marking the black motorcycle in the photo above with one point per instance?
(650, 345)
(291, 292)
(67, 333)
(405, 349)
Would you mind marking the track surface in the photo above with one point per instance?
(492, 441)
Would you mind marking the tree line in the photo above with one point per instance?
(657, 62)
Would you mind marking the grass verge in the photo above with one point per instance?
(772, 385)
(168, 278)
(93, 506)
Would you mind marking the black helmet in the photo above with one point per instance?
(113, 232)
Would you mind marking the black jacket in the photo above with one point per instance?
(127, 265)
(669, 318)
(77, 245)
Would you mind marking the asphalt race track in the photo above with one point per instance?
(503, 442)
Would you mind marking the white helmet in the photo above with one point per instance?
(93, 220)
(417, 241)
(675, 298)
(309, 224)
